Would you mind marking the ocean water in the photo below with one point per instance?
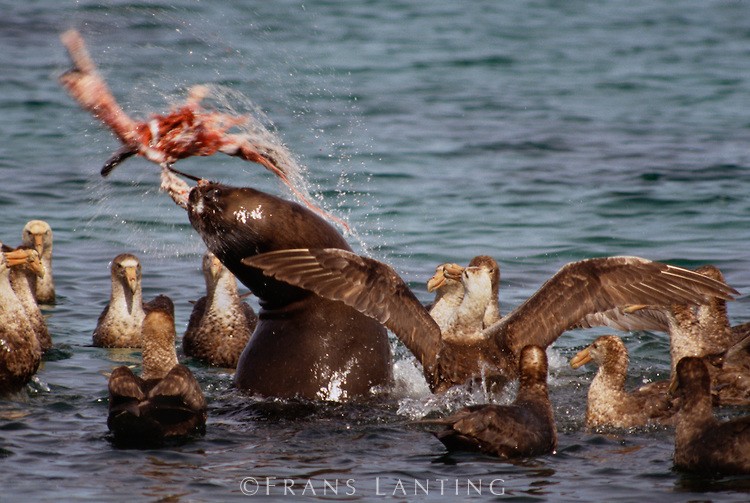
(538, 132)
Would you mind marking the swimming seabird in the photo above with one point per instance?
(703, 444)
(579, 288)
(492, 269)
(38, 235)
(449, 292)
(446, 282)
(694, 330)
(702, 331)
(20, 352)
(166, 401)
(23, 280)
(221, 323)
(609, 404)
(522, 429)
(119, 325)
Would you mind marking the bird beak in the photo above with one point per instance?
(132, 278)
(436, 281)
(581, 358)
(216, 267)
(28, 258)
(39, 243)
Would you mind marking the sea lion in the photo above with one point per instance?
(303, 345)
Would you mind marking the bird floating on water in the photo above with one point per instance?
(221, 323)
(166, 401)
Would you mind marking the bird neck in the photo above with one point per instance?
(223, 294)
(123, 298)
(611, 375)
(685, 333)
(694, 412)
(6, 290)
(159, 354)
(492, 313)
(715, 326)
(22, 283)
(531, 389)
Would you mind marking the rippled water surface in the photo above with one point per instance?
(537, 132)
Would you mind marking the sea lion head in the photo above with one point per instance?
(239, 222)
(227, 218)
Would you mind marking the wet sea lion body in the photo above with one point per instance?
(303, 345)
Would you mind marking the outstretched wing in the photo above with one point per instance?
(627, 319)
(371, 287)
(599, 285)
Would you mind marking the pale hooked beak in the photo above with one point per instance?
(216, 267)
(28, 258)
(448, 271)
(436, 281)
(581, 358)
(38, 243)
(132, 278)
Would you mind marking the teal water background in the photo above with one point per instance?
(537, 132)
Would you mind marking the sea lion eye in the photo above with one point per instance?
(213, 193)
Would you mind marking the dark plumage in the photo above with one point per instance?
(609, 404)
(578, 289)
(221, 323)
(166, 401)
(522, 429)
(702, 443)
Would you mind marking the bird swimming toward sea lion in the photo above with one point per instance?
(522, 429)
(221, 323)
(119, 324)
(703, 444)
(165, 401)
(577, 289)
(608, 403)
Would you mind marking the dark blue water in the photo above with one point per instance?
(537, 132)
